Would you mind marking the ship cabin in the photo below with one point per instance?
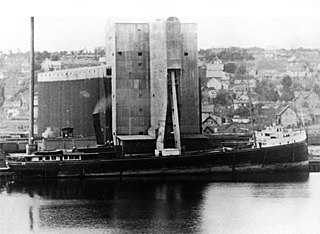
(136, 144)
(49, 157)
(277, 135)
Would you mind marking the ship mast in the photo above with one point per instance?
(251, 115)
(31, 90)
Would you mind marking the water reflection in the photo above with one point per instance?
(191, 205)
(135, 206)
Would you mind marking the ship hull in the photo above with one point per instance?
(284, 158)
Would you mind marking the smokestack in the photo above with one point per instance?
(30, 146)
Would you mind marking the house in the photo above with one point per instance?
(240, 87)
(241, 100)
(210, 122)
(267, 74)
(102, 61)
(287, 117)
(214, 83)
(316, 113)
(252, 73)
(49, 65)
(252, 83)
(313, 100)
(244, 100)
(25, 67)
(308, 106)
(297, 68)
(265, 115)
(224, 128)
(207, 111)
(215, 70)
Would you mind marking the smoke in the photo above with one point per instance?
(51, 132)
(102, 105)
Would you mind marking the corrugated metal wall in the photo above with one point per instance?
(70, 102)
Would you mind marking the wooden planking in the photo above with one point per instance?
(190, 83)
(132, 78)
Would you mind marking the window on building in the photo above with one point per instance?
(109, 72)
(139, 53)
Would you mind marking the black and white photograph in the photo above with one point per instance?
(160, 117)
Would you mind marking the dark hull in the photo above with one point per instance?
(283, 158)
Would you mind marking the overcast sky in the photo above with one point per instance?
(78, 24)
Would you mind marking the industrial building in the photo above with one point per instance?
(67, 98)
(150, 85)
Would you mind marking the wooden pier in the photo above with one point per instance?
(6, 174)
(314, 164)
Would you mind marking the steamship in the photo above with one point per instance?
(150, 120)
(283, 154)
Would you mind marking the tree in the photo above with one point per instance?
(286, 82)
(273, 95)
(316, 89)
(230, 68)
(55, 57)
(258, 108)
(241, 70)
(40, 57)
(99, 52)
(287, 96)
(242, 111)
(230, 54)
(267, 91)
(207, 55)
(223, 98)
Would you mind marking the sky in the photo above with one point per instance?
(80, 24)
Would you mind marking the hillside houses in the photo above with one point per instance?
(215, 71)
(225, 128)
(298, 68)
(242, 86)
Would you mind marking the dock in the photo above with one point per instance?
(6, 174)
(314, 164)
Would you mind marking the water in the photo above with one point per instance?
(279, 204)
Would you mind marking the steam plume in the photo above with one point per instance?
(102, 105)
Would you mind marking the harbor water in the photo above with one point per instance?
(256, 204)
